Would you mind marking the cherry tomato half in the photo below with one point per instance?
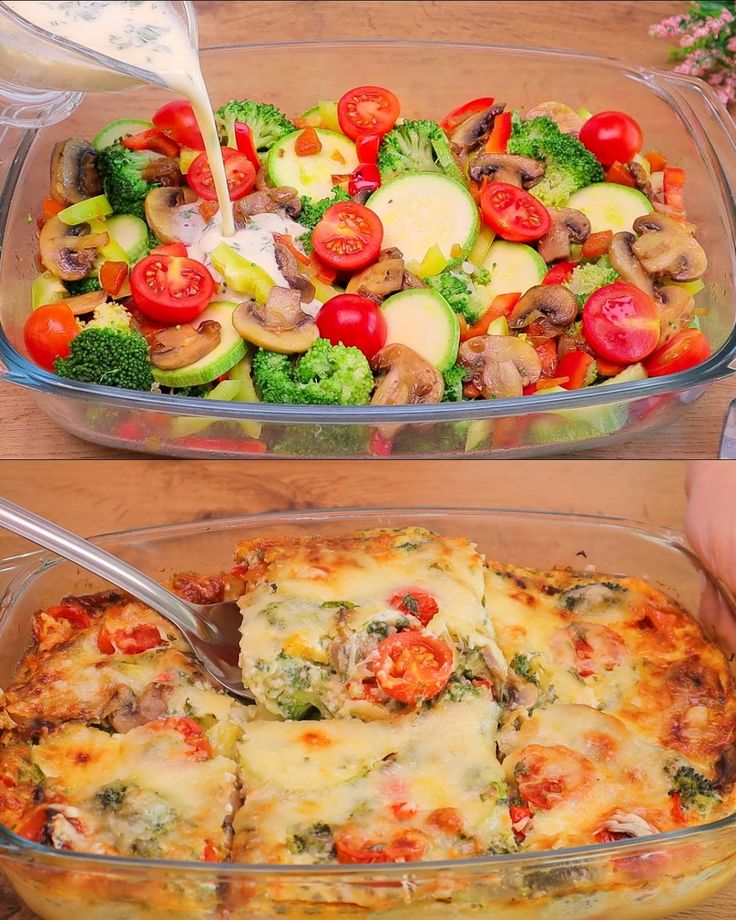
(367, 110)
(416, 602)
(411, 667)
(77, 616)
(240, 173)
(348, 237)
(353, 320)
(512, 213)
(559, 273)
(132, 641)
(684, 350)
(408, 845)
(621, 323)
(176, 119)
(612, 136)
(171, 290)
(48, 332)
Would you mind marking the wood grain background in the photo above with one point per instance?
(615, 29)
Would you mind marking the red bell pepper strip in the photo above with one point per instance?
(461, 113)
(366, 146)
(364, 178)
(620, 174)
(231, 445)
(244, 143)
(380, 446)
(657, 162)
(576, 366)
(559, 273)
(500, 133)
(674, 187)
(597, 244)
(152, 140)
(502, 305)
(112, 276)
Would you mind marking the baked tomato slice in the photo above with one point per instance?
(239, 171)
(348, 237)
(408, 845)
(548, 774)
(684, 350)
(621, 323)
(513, 213)
(78, 617)
(133, 641)
(367, 110)
(410, 667)
(416, 602)
(171, 289)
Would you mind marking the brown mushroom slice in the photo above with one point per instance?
(74, 175)
(473, 130)
(279, 325)
(160, 207)
(382, 278)
(505, 167)
(69, 252)
(84, 303)
(289, 268)
(641, 178)
(568, 226)
(554, 301)
(282, 200)
(163, 170)
(677, 309)
(405, 378)
(666, 249)
(626, 263)
(500, 365)
(409, 280)
(180, 346)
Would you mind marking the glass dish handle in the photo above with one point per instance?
(728, 438)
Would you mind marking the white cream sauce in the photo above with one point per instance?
(148, 35)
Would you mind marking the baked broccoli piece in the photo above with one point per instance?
(267, 123)
(460, 290)
(108, 357)
(327, 374)
(589, 276)
(416, 146)
(313, 211)
(568, 165)
(123, 178)
(454, 378)
(323, 440)
(83, 286)
(695, 790)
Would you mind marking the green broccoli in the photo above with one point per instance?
(323, 440)
(313, 211)
(460, 290)
(568, 165)
(589, 276)
(417, 146)
(454, 378)
(695, 790)
(108, 357)
(83, 286)
(325, 375)
(267, 123)
(123, 178)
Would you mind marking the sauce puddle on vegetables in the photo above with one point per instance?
(151, 37)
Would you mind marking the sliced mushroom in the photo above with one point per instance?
(410, 280)
(84, 303)
(626, 264)
(405, 378)
(382, 278)
(501, 365)
(476, 128)
(667, 250)
(631, 824)
(74, 173)
(568, 226)
(278, 325)
(282, 200)
(180, 346)
(566, 119)
(641, 178)
(504, 167)
(555, 301)
(160, 207)
(164, 170)
(676, 313)
(69, 252)
(289, 268)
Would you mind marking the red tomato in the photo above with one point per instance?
(192, 733)
(407, 845)
(380, 446)
(170, 249)
(512, 213)
(678, 813)
(240, 172)
(34, 823)
(78, 617)
(209, 853)
(152, 140)
(576, 366)
(132, 641)
(547, 774)
(364, 178)
(348, 237)
(520, 816)
(171, 290)
(446, 819)
(48, 332)
(612, 136)
(621, 323)
(177, 119)
(411, 667)
(367, 110)
(366, 146)
(353, 320)
(559, 273)
(244, 143)
(684, 350)
(463, 112)
(417, 603)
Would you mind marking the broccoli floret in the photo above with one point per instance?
(568, 165)
(123, 180)
(326, 440)
(695, 790)
(460, 290)
(417, 146)
(83, 286)
(439, 438)
(454, 378)
(108, 357)
(110, 316)
(313, 211)
(267, 123)
(325, 375)
(590, 276)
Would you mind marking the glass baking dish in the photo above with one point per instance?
(627, 880)
(681, 117)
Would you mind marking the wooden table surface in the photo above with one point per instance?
(616, 29)
(94, 498)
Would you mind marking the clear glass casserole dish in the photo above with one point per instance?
(681, 117)
(638, 879)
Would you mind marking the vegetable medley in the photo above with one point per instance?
(378, 259)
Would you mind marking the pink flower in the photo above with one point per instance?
(667, 27)
(732, 44)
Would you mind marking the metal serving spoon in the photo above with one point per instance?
(212, 630)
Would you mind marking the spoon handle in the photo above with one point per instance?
(94, 559)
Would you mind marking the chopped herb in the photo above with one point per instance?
(410, 604)
(346, 605)
(378, 628)
(523, 666)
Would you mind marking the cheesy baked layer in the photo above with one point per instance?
(315, 609)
